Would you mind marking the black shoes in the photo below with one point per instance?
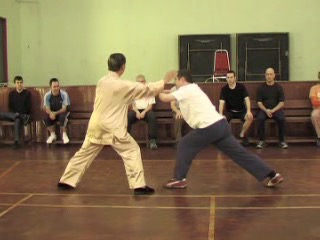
(137, 191)
(143, 191)
(64, 186)
(16, 145)
(245, 141)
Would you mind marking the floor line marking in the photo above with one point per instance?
(10, 169)
(15, 205)
(267, 208)
(109, 206)
(162, 160)
(212, 218)
(163, 196)
(212, 214)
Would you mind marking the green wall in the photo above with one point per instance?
(71, 39)
(9, 9)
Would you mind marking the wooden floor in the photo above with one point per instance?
(221, 202)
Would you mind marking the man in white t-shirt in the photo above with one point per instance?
(142, 110)
(209, 127)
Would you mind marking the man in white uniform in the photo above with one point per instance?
(209, 127)
(108, 126)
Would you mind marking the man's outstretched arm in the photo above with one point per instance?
(167, 97)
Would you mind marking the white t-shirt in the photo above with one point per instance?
(195, 106)
(143, 103)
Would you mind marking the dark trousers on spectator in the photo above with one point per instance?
(61, 118)
(150, 118)
(278, 117)
(18, 122)
(220, 135)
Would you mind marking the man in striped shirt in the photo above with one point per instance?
(56, 104)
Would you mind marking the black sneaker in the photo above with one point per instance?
(64, 186)
(143, 191)
(245, 141)
(16, 145)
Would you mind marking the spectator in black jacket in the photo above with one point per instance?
(19, 109)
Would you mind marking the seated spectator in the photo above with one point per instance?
(314, 96)
(142, 110)
(234, 97)
(56, 104)
(178, 121)
(270, 100)
(19, 109)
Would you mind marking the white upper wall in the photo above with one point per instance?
(71, 39)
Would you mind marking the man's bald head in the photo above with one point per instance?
(141, 79)
(270, 75)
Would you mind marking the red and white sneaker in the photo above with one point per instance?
(276, 180)
(176, 184)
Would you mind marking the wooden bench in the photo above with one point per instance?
(82, 100)
(298, 123)
(81, 97)
(297, 111)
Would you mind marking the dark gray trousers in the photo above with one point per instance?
(220, 135)
(150, 118)
(18, 123)
(278, 117)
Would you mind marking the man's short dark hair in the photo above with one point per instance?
(17, 78)
(116, 61)
(231, 71)
(53, 80)
(186, 74)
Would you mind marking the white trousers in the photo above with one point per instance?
(127, 148)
